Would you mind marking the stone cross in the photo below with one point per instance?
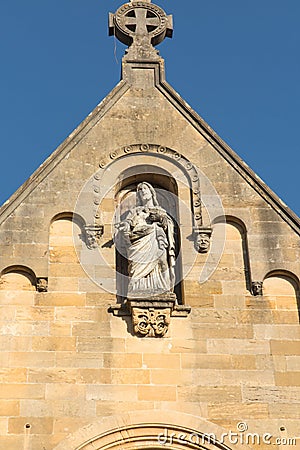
(141, 23)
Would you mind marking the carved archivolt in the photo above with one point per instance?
(181, 161)
(201, 232)
(167, 430)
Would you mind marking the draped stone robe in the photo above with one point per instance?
(150, 250)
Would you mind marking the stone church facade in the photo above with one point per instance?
(95, 351)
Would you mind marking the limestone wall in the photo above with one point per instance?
(66, 362)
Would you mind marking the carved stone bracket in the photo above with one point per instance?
(151, 316)
(148, 321)
(42, 284)
(93, 235)
(202, 237)
(257, 288)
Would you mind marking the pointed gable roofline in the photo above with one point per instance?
(231, 157)
(195, 120)
(142, 25)
(62, 151)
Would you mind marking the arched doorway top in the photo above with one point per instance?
(137, 430)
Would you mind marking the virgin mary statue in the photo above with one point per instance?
(148, 234)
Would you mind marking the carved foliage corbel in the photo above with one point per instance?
(151, 322)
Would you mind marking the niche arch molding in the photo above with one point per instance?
(68, 215)
(286, 274)
(291, 280)
(25, 272)
(241, 227)
(182, 169)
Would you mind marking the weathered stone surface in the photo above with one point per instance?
(156, 361)
(271, 394)
(282, 347)
(159, 393)
(235, 411)
(9, 408)
(66, 362)
(122, 360)
(209, 394)
(19, 391)
(38, 425)
(287, 379)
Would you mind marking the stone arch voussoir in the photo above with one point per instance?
(164, 430)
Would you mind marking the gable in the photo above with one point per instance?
(149, 110)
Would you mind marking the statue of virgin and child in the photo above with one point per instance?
(148, 237)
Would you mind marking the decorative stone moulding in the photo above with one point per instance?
(93, 235)
(42, 284)
(257, 288)
(165, 152)
(151, 318)
(202, 237)
(151, 315)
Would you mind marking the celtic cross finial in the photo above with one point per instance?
(140, 25)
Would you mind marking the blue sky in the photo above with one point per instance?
(236, 63)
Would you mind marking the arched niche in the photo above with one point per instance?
(283, 287)
(157, 157)
(151, 430)
(65, 237)
(149, 158)
(235, 262)
(147, 172)
(198, 203)
(18, 278)
(166, 189)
